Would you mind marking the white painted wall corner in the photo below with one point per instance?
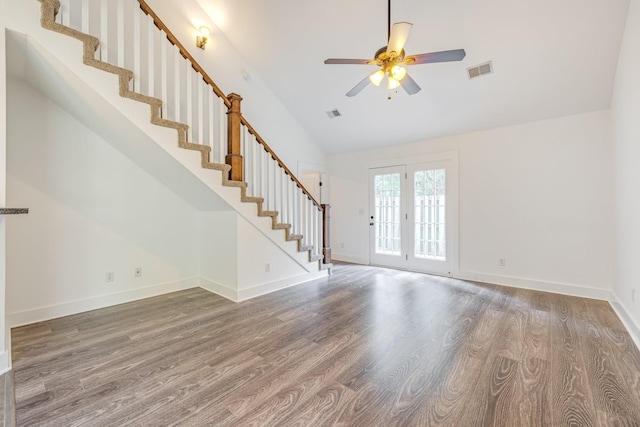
(624, 314)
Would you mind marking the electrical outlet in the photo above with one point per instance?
(502, 262)
(267, 267)
(138, 272)
(109, 277)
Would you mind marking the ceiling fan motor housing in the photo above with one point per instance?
(381, 57)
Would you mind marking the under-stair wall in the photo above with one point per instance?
(117, 218)
(92, 211)
(155, 68)
(155, 145)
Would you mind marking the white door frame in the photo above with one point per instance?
(320, 194)
(450, 161)
(398, 260)
(450, 265)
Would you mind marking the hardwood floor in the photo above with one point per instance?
(7, 401)
(366, 347)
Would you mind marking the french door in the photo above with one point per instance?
(387, 215)
(413, 217)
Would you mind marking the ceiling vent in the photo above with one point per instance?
(333, 113)
(480, 70)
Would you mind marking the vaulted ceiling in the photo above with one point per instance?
(551, 58)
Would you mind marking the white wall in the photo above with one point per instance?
(254, 252)
(92, 211)
(538, 195)
(219, 246)
(224, 64)
(4, 330)
(626, 168)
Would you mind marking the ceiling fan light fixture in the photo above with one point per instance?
(393, 83)
(391, 60)
(398, 72)
(377, 77)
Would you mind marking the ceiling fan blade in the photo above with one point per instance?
(409, 85)
(398, 37)
(358, 88)
(430, 58)
(346, 61)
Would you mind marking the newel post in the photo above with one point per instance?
(234, 123)
(326, 243)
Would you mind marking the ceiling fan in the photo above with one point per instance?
(391, 59)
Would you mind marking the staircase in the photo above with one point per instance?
(127, 39)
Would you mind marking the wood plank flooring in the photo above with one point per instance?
(366, 347)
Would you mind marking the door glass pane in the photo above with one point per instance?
(430, 214)
(387, 214)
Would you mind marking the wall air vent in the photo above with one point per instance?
(333, 113)
(480, 70)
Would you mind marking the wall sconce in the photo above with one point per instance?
(203, 36)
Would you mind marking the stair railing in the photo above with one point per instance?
(268, 177)
(132, 36)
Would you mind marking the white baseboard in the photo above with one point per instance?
(349, 258)
(5, 364)
(78, 306)
(238, 295)
(627, 320)
(266, 288)
(536, 285)
(515, 282)
(72, 307)
(218, 289)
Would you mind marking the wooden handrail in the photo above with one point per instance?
(184, 52)
(275, 157)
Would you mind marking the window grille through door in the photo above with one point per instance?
(430, 215)
(387, 215)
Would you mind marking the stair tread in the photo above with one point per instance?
(194, 146)
(215, 166)
(230, 183)
(251, 199)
